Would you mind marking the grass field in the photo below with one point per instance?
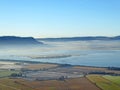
(5, 73)
(103, 83)
(115, 79)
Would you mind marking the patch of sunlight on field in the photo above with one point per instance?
(115, 79)
(103, 83)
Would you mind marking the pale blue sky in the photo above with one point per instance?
(60, 18)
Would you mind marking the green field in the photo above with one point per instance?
(5, 73)
(105, 82)
(115, 79)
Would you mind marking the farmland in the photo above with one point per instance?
(70, 84)
(90, 82)
(47, 76)
(104, 83)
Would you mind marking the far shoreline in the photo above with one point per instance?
(38, 62)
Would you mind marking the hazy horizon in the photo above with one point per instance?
(61, 36)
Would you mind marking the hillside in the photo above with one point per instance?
(13, 40)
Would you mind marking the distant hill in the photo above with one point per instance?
(81, 38)
(13, 40)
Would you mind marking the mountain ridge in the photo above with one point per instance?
(86, 38)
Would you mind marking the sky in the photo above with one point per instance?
(59, 18)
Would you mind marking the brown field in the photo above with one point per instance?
(70, 84)
(11, 84)
(89, 68)
(39, 66)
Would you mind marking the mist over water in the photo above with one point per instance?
(90, 53)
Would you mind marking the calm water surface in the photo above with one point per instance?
(89, 53)
(102, 58)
